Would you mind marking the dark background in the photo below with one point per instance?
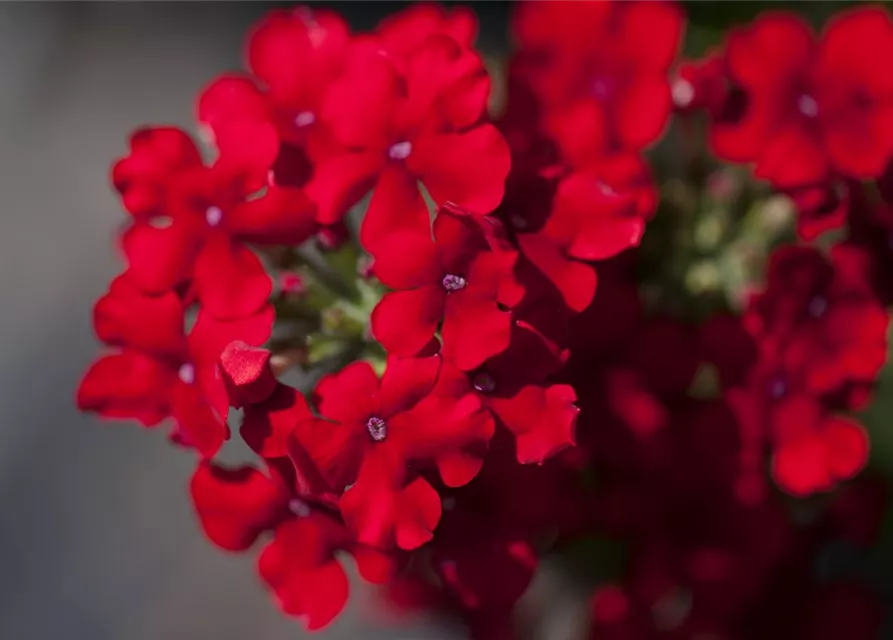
(97, 537)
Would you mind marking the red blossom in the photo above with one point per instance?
(212, 212)
(810, 108)
(158, 371)
(379, 428)
(601, 70)
(409, 121)
(462, 278)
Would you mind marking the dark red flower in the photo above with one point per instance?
(462, 277)
(810, 107)
(409, 121)
(158, 371)
(700, 84)
(597, 213)
(382, 432)
(601, 71)
(212, 212)
(813, 451)
(818, 324)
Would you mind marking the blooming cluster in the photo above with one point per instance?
(516, 330)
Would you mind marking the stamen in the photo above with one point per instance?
(377, 428)
(453, 282)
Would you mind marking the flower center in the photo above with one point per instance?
(304, 119)
(377, 428)
(213, 216)
(817, 306)
(484, 383)
(778, 386)
(683, 92)
(453, 282)
(600, 88)
(299, 507)
(400, 151)
(187, 373)
(807, 105)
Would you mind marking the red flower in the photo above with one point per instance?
(817, 324)
(542, 418)
(235, 506)
(812, 450)
(810, 108)
(700, 84)
(601, 70)
(462, 277)
(409, 121)
(597, 213)
(212, 213)
(383, 432)
(143, 177)
(160, 372)
(293, 55)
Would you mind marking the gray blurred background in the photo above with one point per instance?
(97, 539)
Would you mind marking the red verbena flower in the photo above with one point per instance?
(810, 107)
(462, 277)
(159, 371)
(211, 211)
(384, 433)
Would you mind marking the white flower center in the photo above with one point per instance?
(452, 282)
(187, 373)
(817, 306)
(807, 105)
(213, 216)
(299, 507)
(400, 151)
(304, 119)
(683, 92)
(377, 428)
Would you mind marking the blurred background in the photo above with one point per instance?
(97, 537)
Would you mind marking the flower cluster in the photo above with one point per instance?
(516, 332)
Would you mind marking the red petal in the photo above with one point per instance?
(847, 443)
(474, 329)
(266, 426)
(235, 506)
(127, 385)
(643, 110)
(160, 258)
(793, 157)
(408, 29)
(210, 336)
(458, 468)
(575, 281)
(232, 98)
(405, 321)
(406, 260)
(247, 150)
(380, 513)
(340, 182)
(127, 317)
(468, 169)
(230, 280)
(296, 53)
(298, 566)
(247, 374)
(361, 105)
(801, 467)
(198, 424)
(580, 130)
(345, 396)
(405, 382)
(396, 205)
(156, 154)
(373, 565)
(282, 216)
(542, 419)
